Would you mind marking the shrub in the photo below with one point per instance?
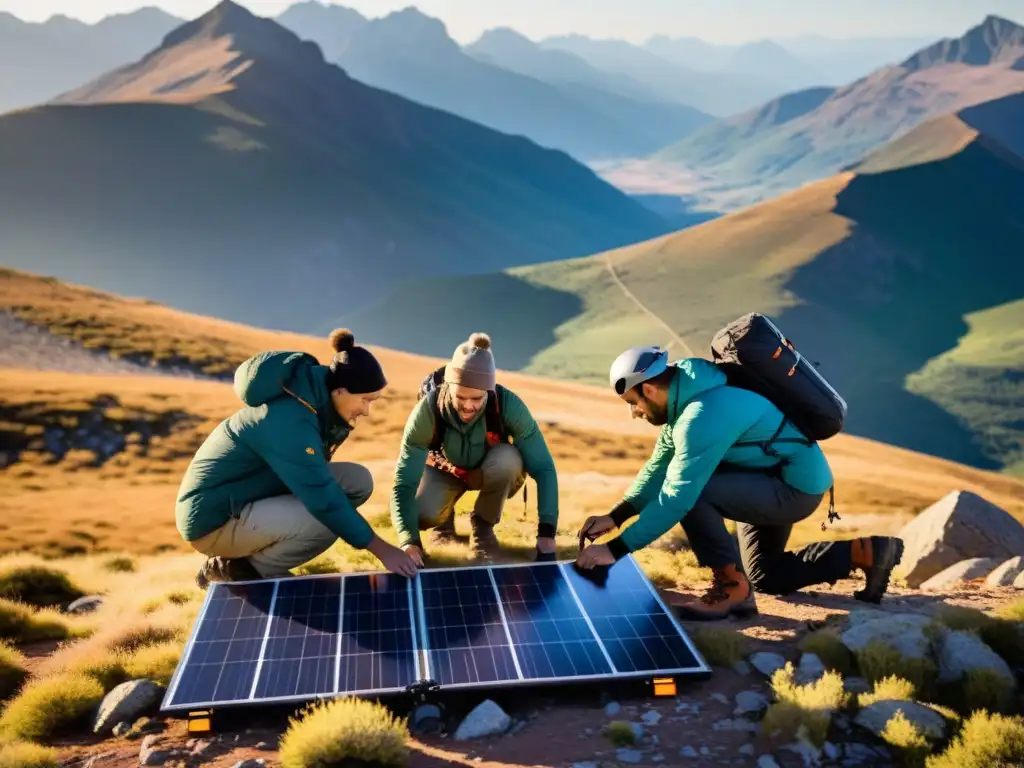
(37, 585)
(157, 662)
(23, 754)
(620, 733)
(48, 704)
(890, 688)
(22, 624)
(1001, 633)
(878, 660)
(805, 709)
(343, 732)
(982, 689)
(1012, 611)
(12, 670)
(985, 741)
(720, 646)
(826, 645)
(908, 743)
(119, 564)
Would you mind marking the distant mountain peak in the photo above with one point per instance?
(253, 36)
(410, 26)
(995, 40)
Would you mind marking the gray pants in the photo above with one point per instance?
(278, 533)
(765, 509)
(503, 476)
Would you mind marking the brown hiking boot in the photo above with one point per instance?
(444, 533)
(224, 569)
(876, 556)
(730, 594)
(483, 542)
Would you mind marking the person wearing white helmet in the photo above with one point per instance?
(708, 466)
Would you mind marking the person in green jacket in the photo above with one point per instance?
(261, 495)
(431, 477)
(698, 476)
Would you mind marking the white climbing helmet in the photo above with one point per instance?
(635, 366)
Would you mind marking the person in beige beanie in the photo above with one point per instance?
(467, 432)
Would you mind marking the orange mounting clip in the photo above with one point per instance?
(200, 721)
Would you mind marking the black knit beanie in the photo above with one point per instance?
(354, 368)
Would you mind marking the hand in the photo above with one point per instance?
(415, 552)
(392, 558)
(597, 554)
(545, 550)
(594, 526)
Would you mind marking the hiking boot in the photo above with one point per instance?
(445, 532)
(730, 594)
(876, 556)
(483, 542)
(224, 569)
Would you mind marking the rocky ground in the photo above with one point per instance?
(711, 722)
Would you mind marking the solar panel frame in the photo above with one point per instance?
(420, 646)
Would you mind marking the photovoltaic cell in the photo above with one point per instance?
(301, 638)
(462, 632)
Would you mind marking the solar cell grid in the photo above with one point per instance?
(304, 637)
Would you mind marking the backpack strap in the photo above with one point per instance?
(437, 440)
(766, 445)
(496, 432)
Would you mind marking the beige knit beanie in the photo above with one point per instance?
(472, 365)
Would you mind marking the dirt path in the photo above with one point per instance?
(23, 345)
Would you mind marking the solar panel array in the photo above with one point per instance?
(307, 637)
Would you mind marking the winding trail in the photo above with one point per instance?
(675, 337)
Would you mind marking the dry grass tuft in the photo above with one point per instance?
(826, 645)
(890, 688)
(12, 670)
(1012, 612)
(38, 585)
(24, 754)
(985, 741)
(1002, 634)
(720, 646)
(48, 705)
(879, 660)
(803, 710)
(620, 733)
(345, 732)
(21, 623)
(909, 744)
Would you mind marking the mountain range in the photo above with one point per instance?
(807, 135)
(901, 276)
(233, 170)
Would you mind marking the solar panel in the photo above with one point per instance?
(307, 637)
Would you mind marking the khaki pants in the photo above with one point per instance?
(278, 533)
(503, 476)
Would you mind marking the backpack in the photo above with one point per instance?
(755, 355)
(496, 432)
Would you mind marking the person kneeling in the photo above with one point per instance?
(261, 495)
(457, 438)
(709, 465)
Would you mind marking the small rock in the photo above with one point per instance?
(587, 764)
(750, 702)
(811, 668)
(125, 703)
(486, 719)
(519, 725)
(720, 698)
(651, 718)
(903, 632)
(611, 709)
(766, 761)
(831, 750)
(121, 728)
(741, 668)
(86, 604)
(1004, 575)
(638, 730)
(875, 717)
(151, 754)
(959, 652)
(264, 746)
(100, 759)
(738, 724)
(705, 751)
(201, 747)
(858, 754)
(747, 749)
(856, 685)
(965, 570)
(767, 663)
(251, 763)
(658, 758)
(628, 755)
(688, 751)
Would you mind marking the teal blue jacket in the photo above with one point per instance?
(705, 419)
(279, 443)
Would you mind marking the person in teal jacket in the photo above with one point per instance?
(698, 476)
(430, 479)
(262, 495)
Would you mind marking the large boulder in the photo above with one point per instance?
(1006, 573)
(959, 526)
(958, 573)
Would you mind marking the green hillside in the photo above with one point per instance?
(235, 173)
(879, 276)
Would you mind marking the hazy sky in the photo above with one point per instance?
(715, 20)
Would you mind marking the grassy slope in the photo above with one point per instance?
(871, 273)
(236, 179)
